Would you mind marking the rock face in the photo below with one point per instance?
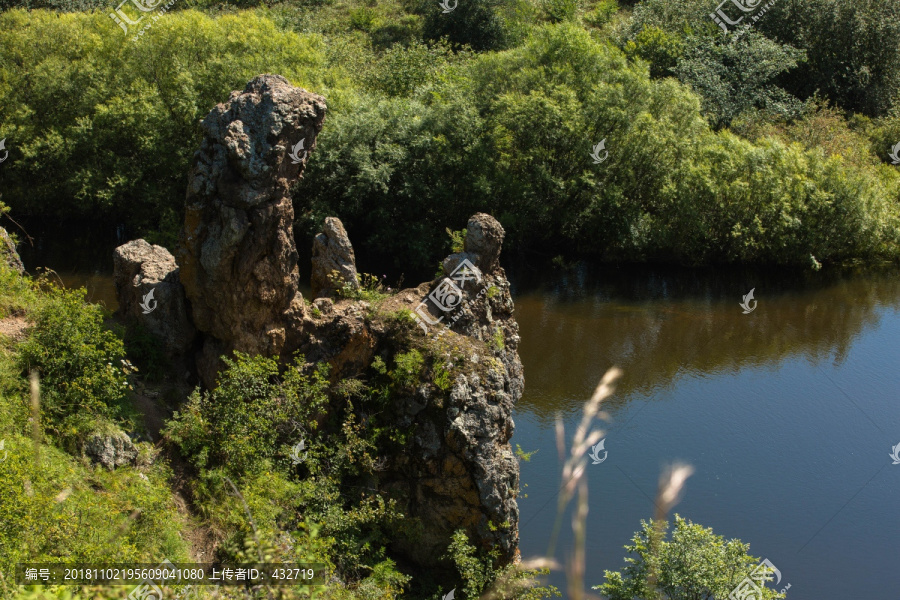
(487, 316)
(332, 253)
(239, 261)
(447, 460)
(150, 292)
(8, 254)
(110, 449)
(459, 471)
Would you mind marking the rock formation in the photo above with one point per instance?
(239, 261)
(110, 449)
(150, 292)
(460, 471)
(8, 254)
(333, 261)
(455, 468)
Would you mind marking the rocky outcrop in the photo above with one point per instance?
(459, 471)
(447, 460)
(333, 261)
(110, 449)
(150, 292)
(8, 254)
(239, 260)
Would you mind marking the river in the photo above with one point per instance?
(788, 414)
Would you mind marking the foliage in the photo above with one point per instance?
(862, 77)
(408, 370)
(105, 125)
(658, 47)
(421, 135)
(479, 573)
(457, 240)
(81, 364)
(371, 288)
(252, 417)
(243, 431)
(602, 13)
(851, 47)
(733, 77)
(695, 563)
(510, 133)
(52, 506)
(483, 25)
(441, 375)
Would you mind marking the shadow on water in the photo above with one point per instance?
(660, 324)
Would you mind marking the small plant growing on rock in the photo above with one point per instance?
(408, 369)
(498, 339)
(457, 240)
(522, 455)
(441, 375)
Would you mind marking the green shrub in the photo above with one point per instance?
(478, 571)
(82, 366)
(734, 77)
(105, 126)
(695, 563)
(408, 369)
(602, 13)
(253, 416)
(560, 10)
(58, 510)
(482, 25)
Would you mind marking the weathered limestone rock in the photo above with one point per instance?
(239, 262)
(332, 252)
(239, 270)
(150, 292)
(487, 315)
(460, 471)
(110, 449)
(8, 253)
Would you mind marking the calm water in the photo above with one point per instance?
(788, 415)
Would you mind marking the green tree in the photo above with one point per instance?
(695, 564)
(106, 126)
(733, 77)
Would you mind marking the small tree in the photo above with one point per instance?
(695, 565)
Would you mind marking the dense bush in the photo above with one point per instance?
(81, 364)
(482, 25)
(99, 124)
(863, 75)
(695, 563)
(419, 137)
(510, 133)
(251, 417)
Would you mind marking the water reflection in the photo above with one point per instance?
(660, 325)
